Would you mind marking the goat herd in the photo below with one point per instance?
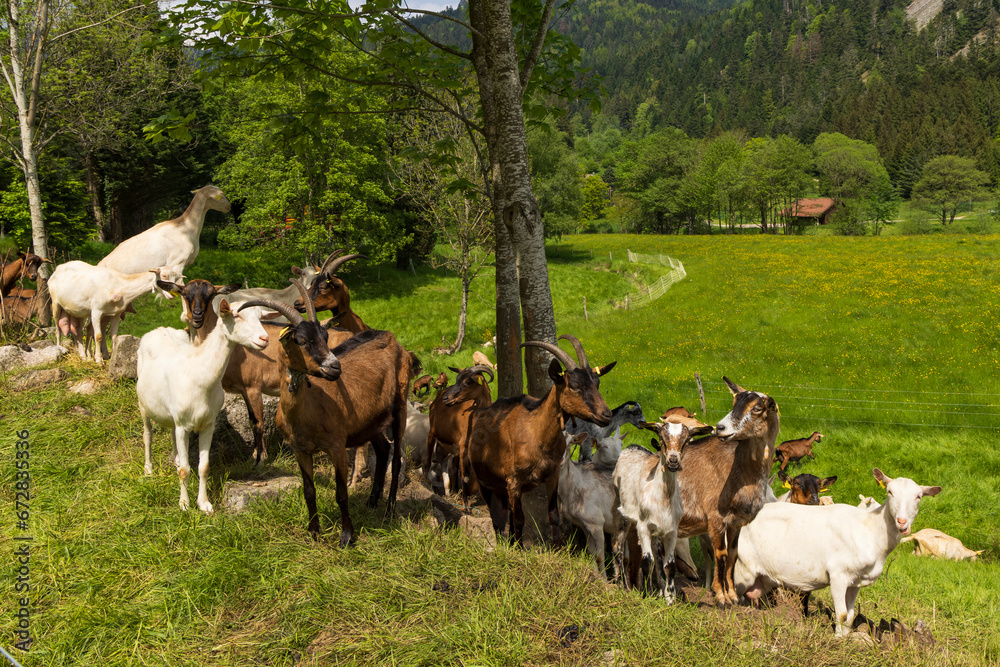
(343, 385)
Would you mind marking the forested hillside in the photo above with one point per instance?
(771, 67)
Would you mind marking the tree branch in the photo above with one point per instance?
(102, 22)
(536, 48)
(433, 42)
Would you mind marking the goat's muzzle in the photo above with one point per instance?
(674, 465)
(330, 370)
(601, 419)
(299, 306)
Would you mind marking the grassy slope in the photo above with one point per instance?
(123, 577)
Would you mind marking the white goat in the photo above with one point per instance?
(587, 499)
(172, 243)
(807, 548)
(180, 386)
(80, 291)
(650, 498)
(931, 542)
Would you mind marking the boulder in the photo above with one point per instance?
(233, 429)
(85, 387)
(236, 495)
(14, 356)
(33, 379)
(123, 358)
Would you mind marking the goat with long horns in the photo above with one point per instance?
(516, 443)
(328, 292)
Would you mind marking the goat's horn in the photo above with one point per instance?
(480, 368)
(581, 356)
(333, 255)
(339, 262)
(310, 307)
(290, 313)
(556, 351)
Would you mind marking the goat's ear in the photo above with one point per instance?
(655, 443)
(782, 476)
(693, 426)
(224, 309)
(930, 490)
(454, 370)
(296, 270)
(651, 426)
(604, 370)
(167, 286)
(880, 477)
(285, 333)
(771, 405)
(733, 387)
(556, 373)
(826, 483)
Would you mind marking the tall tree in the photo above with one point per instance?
(35, 29)
(947, 182)
(508, 41)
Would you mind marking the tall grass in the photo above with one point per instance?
(830, 327)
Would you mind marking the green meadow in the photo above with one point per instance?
(888, 346)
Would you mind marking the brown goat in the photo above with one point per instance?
(250, 373)
(793, 451)
(723, 479)
(18, 308)
(328, 292)
(804, 489)
(679, 411)
(25, 266)
(422, 385)
(330, 404)
(517, 443)
(451, 413)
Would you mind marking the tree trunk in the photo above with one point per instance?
(521, 215)
(94, 190)
(24, 99)
(463, 314)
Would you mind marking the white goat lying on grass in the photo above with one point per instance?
(180, 387)
(807, 548)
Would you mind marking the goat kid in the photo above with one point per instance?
(587, 500)
(931, 542)
(809, 548)
(629, 412)
(450, 417)
(179, 386)
(25, 266)
(793, 451)
(648, 497)
(804, 489)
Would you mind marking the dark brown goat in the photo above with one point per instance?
(451, 413)
(25, 266)
(422, 385)
(328, 292)
(793, 451)
(329, 404)
(723, 479)
(250, 373)
(804, 489)
(517, 443)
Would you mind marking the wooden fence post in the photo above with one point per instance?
(701, 394)
(585, 309)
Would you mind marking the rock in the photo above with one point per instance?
(123, 358)
(33, 379)
(236, 495)
(12, 356)
(480, 530)
(84, 387)
(233, 429)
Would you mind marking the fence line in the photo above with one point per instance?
(659, 288)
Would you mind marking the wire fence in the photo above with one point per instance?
(652, 292)
(869, 406)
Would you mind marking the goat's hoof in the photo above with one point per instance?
(184, 505)
(148, 470)
(205, 507)
(345, 538)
